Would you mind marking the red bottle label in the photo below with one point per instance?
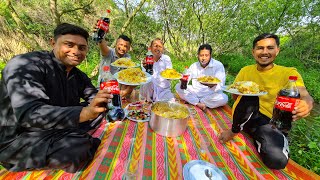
(113, 85)
(286, 103)
(149, 60)
(103, 25)
(185, 77)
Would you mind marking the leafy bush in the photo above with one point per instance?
(2, 64)
(234, 62)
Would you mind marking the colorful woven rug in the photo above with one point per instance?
(134, 147)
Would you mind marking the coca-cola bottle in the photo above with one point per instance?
(103, 27)
(149, 62)
(115, 107)
(184, 79)
(287, 99)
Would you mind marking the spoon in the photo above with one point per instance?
(208, 173)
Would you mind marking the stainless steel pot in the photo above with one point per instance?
(165, 126)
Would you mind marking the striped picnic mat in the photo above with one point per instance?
(134, 145)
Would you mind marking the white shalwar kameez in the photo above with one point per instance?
(197, 92)
(159, 88)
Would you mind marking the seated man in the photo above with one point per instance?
(204, 95)
(42, 122)
(110, 55)
(159, 88)
(252, 113)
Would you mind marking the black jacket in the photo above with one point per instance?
(37, 94)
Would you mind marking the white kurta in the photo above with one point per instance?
(158, 89)
(195, 93)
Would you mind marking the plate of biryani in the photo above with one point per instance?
(171, 74)
(245, 88)
(124, 63)
(208, 80)
(132, 76)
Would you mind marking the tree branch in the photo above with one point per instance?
(76, 9)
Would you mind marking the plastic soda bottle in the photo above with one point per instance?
(287, 99)
(103, 27)
(116, 112)
(149, 62)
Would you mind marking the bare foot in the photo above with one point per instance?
(226, 136)
(202, 106)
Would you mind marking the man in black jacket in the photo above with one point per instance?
(47, 105)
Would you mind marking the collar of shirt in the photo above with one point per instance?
(160, 59)
(210, 65)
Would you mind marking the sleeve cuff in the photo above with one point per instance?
(235, 129)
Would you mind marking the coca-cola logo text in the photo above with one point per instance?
(149, 59)
(113, 85)
(286, 103)
(103, 25)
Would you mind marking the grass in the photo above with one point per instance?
(305, 144)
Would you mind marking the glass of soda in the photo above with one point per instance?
(184, 81)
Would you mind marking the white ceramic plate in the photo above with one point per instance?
(137, 65)
(138, 120)
(116, 75)
(195, 170)
(235, 91)
(208, 83)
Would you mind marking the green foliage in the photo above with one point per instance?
(2, 65)
(93, 59)
(234, 62)
(304, 45)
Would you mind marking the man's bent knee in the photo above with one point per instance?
(275, 161)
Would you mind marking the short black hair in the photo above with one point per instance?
(124, 37)
(265, 36)
(156, 39)
(205, 46)
(66, 28)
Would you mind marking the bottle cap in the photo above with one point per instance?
(293, 78)
(106, 68)
(149, 53)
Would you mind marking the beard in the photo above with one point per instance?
(265, 65)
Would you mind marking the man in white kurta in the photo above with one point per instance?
(201, 95)
(159, 88)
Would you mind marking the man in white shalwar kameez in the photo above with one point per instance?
(199, 94)
(159, 88)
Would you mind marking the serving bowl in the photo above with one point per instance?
(169, 118)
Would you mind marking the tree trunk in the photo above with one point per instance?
(54, 11)
(23, 30)
(129, 20)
